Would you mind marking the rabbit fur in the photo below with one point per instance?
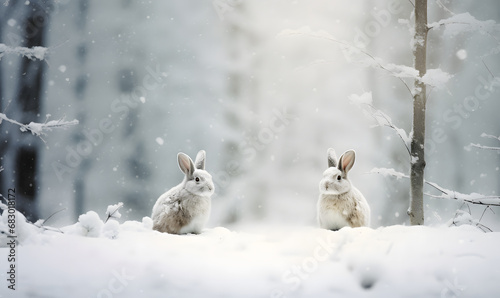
(185, 208)
(340, 204)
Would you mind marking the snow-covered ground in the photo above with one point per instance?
(96, 259)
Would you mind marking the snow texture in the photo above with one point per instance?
(92, 259)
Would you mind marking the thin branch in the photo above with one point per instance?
(489, 70)
(397, 130)
(476, 199)
(376, 114)
(38, 129)
(484, 211)
(490, 136)
(485, 147)
(50, 216)
(440, 4)
(353, 47)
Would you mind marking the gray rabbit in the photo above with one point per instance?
(185, 208)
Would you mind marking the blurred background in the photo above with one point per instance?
(148, 79)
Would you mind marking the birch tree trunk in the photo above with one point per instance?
(416, 210)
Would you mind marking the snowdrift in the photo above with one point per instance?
(96, 259)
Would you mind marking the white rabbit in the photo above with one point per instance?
(185, 208)
(340, 204)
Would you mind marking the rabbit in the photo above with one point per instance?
(185, 208)
(340, 204)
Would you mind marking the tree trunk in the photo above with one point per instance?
(28, 106)
(80, 89)
(416, 210)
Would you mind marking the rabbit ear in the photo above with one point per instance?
(185, 164)
(199, 162)
(347, 161)
(332, 158)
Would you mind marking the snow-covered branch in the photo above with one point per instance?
(30, 53)
(473, 198)
(486, 147)
(433, 77)
(382, 119)
(464, 22)
(484, 135)
(39, 129)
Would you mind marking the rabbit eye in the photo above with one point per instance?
(197, 179)
(339, 178)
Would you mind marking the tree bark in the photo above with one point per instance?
(416, 210)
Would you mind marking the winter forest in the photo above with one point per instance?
(97, 98)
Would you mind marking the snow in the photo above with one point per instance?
(113, 211)
(365, 98)
(159, 140)
(388, 172)
(436, 78)
(33, 53)
(464, 22)
(462, 54)
(132, 260)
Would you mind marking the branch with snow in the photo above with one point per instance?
(434, 77)
(465, 22)
(39, 129)
(33, 53)
(112, 211)
(465, 218)
(473, 198)
(382, 119)
(486, 147)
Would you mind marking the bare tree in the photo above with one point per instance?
(21, 152)
(416, 210)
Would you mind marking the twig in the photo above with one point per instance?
(348, 45)
(110, 214)
(50, 216)
(482, 60)
(484, 147)
(477, 200)
(38, 129)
